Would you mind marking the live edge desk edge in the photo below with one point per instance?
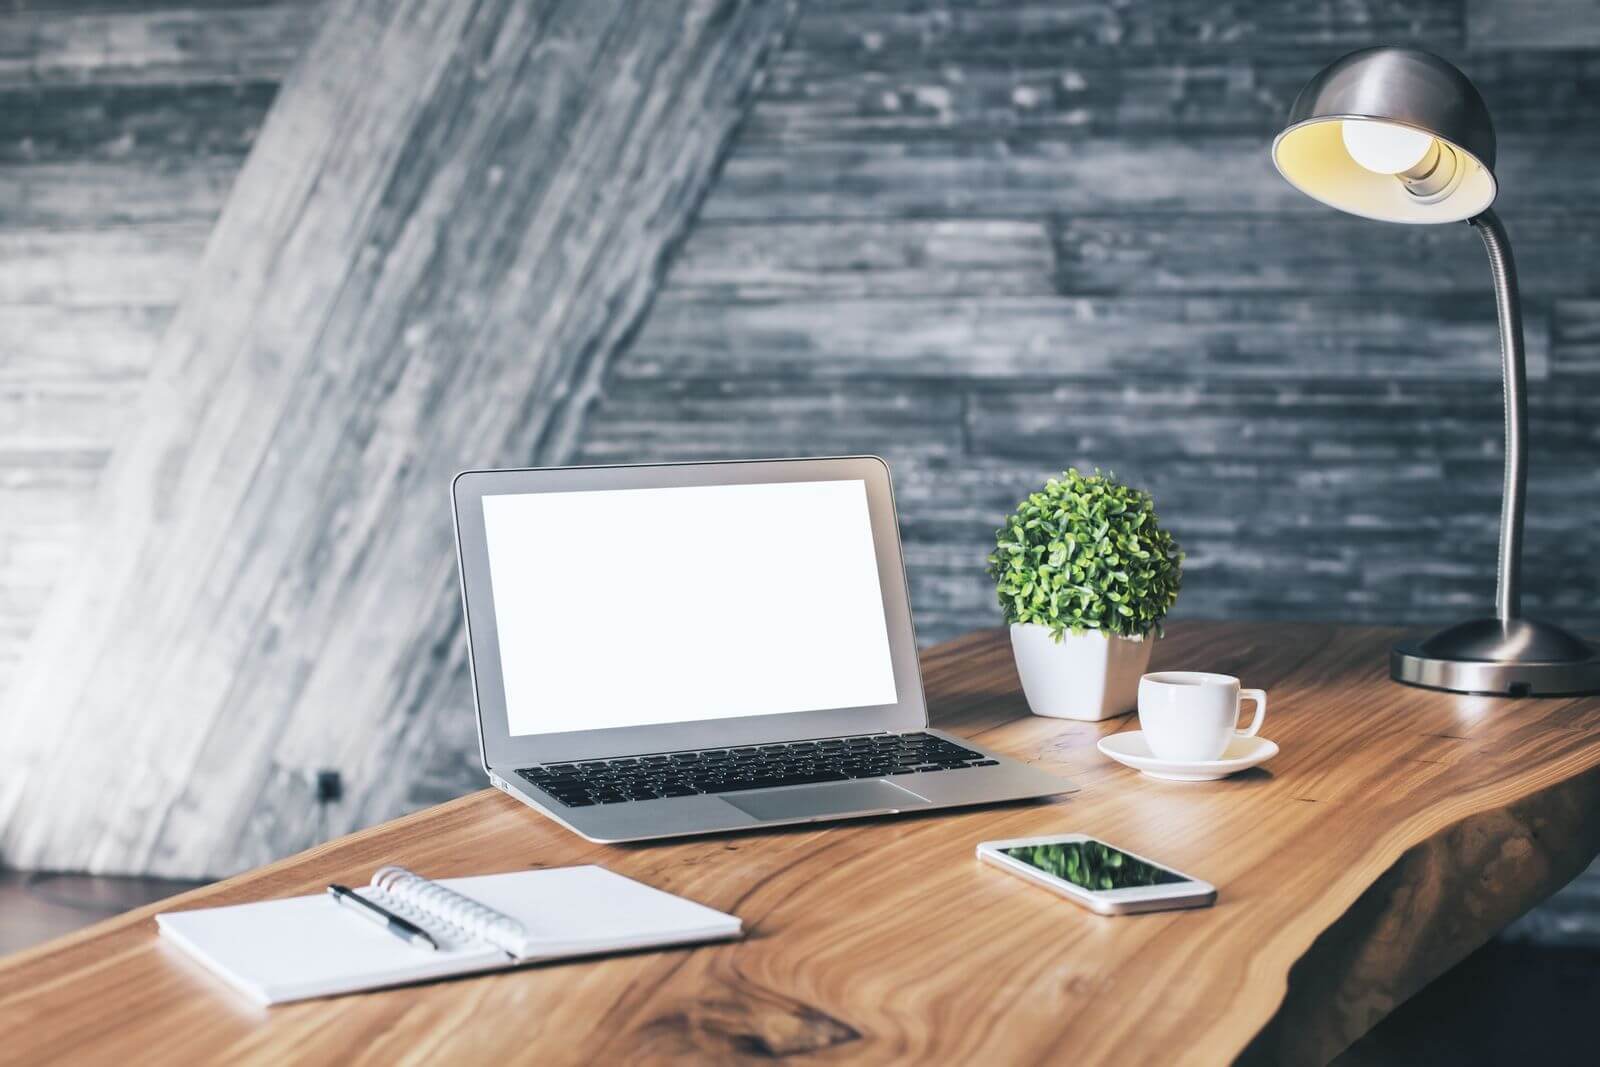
(1397, 831)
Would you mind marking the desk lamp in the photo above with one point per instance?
(1400, 135)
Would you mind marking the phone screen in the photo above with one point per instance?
(1092, 865)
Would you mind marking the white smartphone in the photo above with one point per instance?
(1097, 875)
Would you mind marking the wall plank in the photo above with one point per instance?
(758, 261)
(64, 195)
(1096, 255)
(134, 265)
(1264, 421)
(1576, 336)
(178, 42)
(1234, 336)
(55, 343)
(931, 92)
(867, 28)
(1136, 253)
(685, 418)
(1541, 24)
(127, 124)
(1034, 176)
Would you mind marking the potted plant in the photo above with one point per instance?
(1085, 574)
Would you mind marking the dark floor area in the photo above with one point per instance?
(37, 906)
(1507, 1003)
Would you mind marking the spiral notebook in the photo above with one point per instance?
(281, 950)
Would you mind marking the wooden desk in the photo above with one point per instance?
(1397, 830)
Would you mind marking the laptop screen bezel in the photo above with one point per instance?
(501, 750)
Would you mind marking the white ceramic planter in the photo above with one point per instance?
(1090, 677)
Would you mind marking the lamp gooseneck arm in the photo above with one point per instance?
(1508, 587)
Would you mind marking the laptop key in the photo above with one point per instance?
(733, 785)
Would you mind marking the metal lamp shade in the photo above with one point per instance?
(1402, 87)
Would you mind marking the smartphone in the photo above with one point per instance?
(1098, 875)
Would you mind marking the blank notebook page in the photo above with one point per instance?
(571, 911)
(313, 947)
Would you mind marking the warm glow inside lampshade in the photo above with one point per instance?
(1395, 134)
(1314, 158)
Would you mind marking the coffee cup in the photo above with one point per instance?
(1191, 716)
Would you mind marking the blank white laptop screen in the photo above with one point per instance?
(633, 607)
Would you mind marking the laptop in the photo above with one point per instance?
(692, 648)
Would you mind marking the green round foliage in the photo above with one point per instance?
(1086, 553)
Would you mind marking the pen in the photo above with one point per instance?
(406, 931)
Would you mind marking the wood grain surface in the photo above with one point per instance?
(1396, 831)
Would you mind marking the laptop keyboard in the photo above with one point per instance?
(728, 770)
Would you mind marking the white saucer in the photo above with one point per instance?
(1130, 749)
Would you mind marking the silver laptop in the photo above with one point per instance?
(697, 647)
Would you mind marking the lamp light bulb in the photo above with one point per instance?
(1383, 147)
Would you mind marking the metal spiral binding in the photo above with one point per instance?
(477, 920)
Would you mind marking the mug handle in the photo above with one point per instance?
(1260, 697)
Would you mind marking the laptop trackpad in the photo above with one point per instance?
(815, 801)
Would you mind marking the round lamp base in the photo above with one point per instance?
(1517, 658)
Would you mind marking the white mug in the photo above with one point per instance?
(1190, 716)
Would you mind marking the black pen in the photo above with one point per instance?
(405, 930)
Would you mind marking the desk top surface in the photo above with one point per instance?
(1395, 832)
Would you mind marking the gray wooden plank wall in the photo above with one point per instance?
(993, 240)
(121, 128)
